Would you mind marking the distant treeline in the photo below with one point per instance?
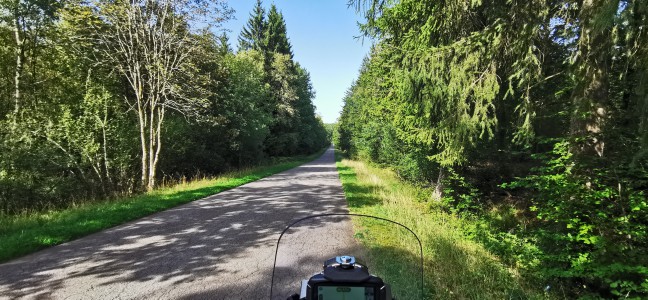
(535, 112)
(104, 98)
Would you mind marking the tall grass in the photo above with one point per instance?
(30, 232)
(456, 267)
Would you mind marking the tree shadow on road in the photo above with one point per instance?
(194, 244)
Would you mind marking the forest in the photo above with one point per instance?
(102, 99)
(530, 116)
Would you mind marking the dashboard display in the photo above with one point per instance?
(345, 293)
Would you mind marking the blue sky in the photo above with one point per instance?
(322, 36)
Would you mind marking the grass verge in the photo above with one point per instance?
(24, 234)
(456, 267)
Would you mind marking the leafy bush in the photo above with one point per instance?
(593, 224)
(459, 195)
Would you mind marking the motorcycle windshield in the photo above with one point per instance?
(389, 250)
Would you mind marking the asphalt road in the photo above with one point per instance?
(220, 247)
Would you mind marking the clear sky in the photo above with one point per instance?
(322, 36)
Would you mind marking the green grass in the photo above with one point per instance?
(24, 234)
(456, 267)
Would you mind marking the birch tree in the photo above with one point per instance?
(151, 44)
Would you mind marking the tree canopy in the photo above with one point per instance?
(107, 98)
(252, 35)
(545, 99)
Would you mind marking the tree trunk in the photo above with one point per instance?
(106, 163)
(142, 126)
(591, 95)
(157, 145)
(152, 145)
(438, 188)
(20, 53)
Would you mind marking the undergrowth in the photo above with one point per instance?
(456, 262)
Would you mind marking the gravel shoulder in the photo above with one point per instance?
(219, 247)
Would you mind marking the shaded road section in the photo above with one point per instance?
(220, 247)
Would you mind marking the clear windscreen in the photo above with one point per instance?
(389, 251)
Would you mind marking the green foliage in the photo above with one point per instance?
(248, 121)
(252, 36)
(72, 134)
(459, 96)
(460, 195)
(455, 266)
(414, 167)
(330, 131)
(276, 38)
(593, 226)
(293, 126)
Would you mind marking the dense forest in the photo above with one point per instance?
(107, 98)
(530, 115)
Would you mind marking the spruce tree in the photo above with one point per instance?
(276, 36)
(253, 35)
(223, 44)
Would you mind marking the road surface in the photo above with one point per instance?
(220, 247)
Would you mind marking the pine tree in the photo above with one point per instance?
(253, 35)
(223, 44)
(276, 36)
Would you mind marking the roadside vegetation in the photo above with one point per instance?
(529, 117)
(29, 232)
(456, 265)
(101, 99)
